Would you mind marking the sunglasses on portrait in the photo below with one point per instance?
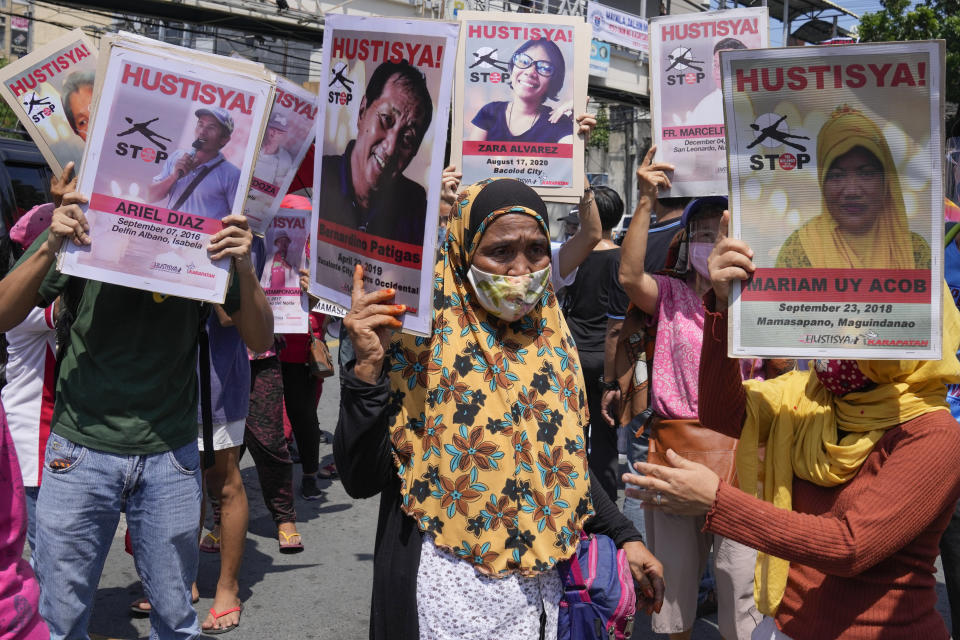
(523, 61)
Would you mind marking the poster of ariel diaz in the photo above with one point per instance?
(50, 91)
(836, 183)
(522, 80)
(381, 133)
(171, 150)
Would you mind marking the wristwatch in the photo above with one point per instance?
(609, 386)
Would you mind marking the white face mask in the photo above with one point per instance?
(509, 297)
(699, 252)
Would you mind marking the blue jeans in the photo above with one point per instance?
(81, 498)
(636, 452)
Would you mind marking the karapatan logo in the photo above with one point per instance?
(772, 131)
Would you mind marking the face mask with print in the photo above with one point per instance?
(509, 297)
(699, 252)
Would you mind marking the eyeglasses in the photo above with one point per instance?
(523, 61)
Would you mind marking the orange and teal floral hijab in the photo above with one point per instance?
(487, 417)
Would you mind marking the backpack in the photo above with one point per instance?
(599, 600)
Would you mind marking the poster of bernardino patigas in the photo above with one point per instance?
(835, 157)
(381, 133)
(522, 79)
(171, 152)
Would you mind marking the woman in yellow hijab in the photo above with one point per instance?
(858, 481)
(863, 223)
(473, 436)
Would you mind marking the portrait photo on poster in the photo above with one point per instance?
(522, 84)
(836, 184)
(687, 102)
(286, 241)
(381, 135)
(50, 91)
(290, 132)
(170, 155)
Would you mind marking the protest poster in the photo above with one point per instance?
(837, 186)
(618, 27)
(522, 82)
(171, 152)
(50, 91)
(291, 128)
(686, 103)
(381, 136)
(286, 241)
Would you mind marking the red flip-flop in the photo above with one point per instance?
(216, 616)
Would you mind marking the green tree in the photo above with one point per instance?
(8, 119)
(931, 20)
(600, 136)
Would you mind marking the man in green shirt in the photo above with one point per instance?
(124, 426)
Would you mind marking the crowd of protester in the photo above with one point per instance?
(819, 495)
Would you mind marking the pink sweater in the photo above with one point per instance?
(19, 590)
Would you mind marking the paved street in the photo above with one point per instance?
(322, 593)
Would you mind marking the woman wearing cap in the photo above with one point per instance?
(859, 480)
(474, 437)
(280, 274)
(863, 222)
(536, 72)
(676, 313)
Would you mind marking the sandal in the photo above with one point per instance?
(217, 615)
(136, 607)
(290, 547)
(210, 547)
(328, 472)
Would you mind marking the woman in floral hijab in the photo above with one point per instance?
(474, 436)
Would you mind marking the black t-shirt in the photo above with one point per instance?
(595, 294)
(658, 244)
(492, 118)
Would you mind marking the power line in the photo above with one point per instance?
(186, 28)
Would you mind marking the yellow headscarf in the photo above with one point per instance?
(887, 245)
(488, 417)
(797, 419)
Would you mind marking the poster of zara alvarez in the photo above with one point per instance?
(381, 133)
(686, 103)
(836, 184)
(50, 91)
(522, 81)
(170, 155)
